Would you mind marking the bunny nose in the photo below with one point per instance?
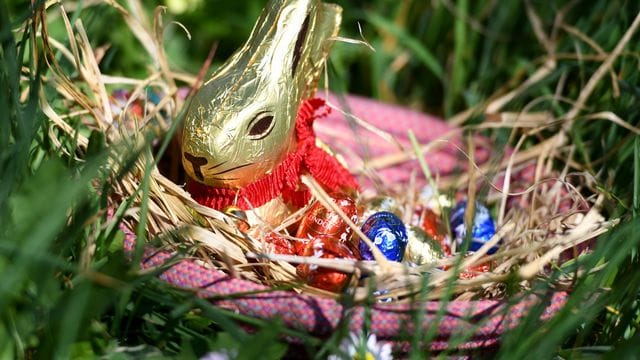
(196, 162)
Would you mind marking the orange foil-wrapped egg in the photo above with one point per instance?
(278, 244)
(432, 225)
(325, 278)
(322, 222)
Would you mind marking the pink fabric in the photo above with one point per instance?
(355, 143)
(485, 319)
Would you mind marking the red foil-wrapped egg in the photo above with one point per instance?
(432, 225)
(278, 244)
(474, 271)
(325, 278)
(322, 222)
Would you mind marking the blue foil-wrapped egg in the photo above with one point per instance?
(388, 233)
(483, 226)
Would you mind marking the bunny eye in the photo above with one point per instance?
(261, 126)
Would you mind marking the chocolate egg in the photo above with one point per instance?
(325, 278)
(474, 271)
(278, 244)
(379, 296)
(239, 217)
(432, 226)
(381, 203)
(421, 248)
(483, 226)
(428, 198)
(322, 222)
(388, 233)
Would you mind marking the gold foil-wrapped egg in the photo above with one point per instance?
(421, 249)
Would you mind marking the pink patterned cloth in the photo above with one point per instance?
(485, 320)
(356, 143)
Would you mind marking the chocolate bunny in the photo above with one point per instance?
(244, 135)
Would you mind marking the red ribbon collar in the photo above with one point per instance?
(285, 178)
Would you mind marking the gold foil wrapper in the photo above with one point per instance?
(421, 248)
(240, 124)
(380, 203)
(434, 201)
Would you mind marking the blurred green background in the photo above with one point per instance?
(438, 56)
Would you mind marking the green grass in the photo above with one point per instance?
(66, 290)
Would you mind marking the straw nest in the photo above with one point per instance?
(562, 203)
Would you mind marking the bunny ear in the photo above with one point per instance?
(297, 50)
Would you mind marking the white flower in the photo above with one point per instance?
(354, 347)
(224, 354)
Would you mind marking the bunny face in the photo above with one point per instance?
(233, 141)
(240, 124)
